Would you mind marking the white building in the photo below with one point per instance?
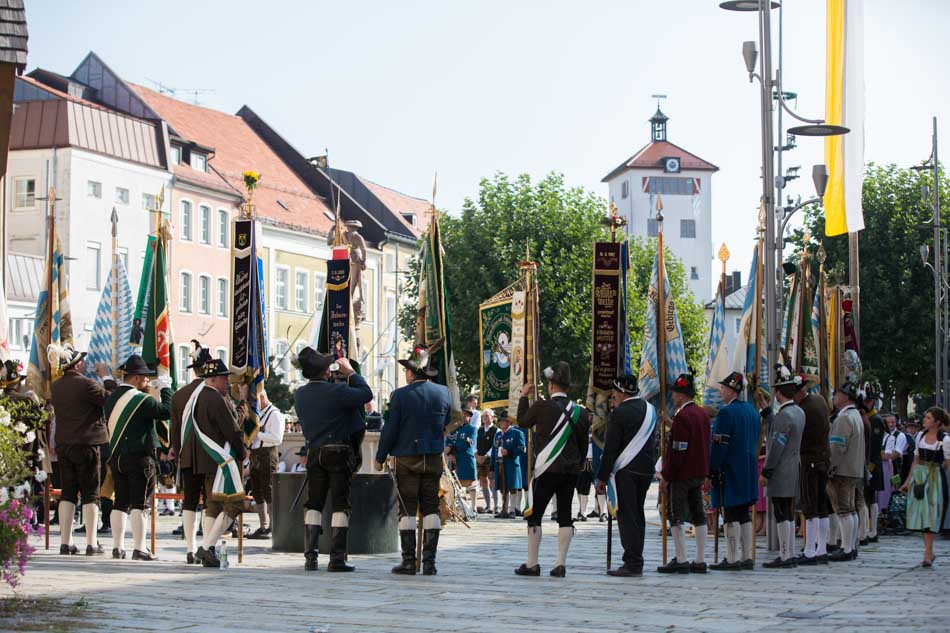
(95, 159)
(664, 171)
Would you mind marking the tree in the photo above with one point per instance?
(896, 308)
(278, 391)
(559, 224)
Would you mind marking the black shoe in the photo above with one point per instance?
(407, 540)
(524, 570)
(260, 534)
(207, 557)
(105, 530)
(822, 559)
(580, 517)
(697, 568)
(481, 510)
(559, 571)
(748, 564)
(430, 543)
(603, 517)
(179, 531)
(854, 553)
(725, 565)
(624, 572)
(807, 560)
(779, 563)
(190, 559)
(674, 567)
(839, 556)
(554, 516)
(166, 513)
(338, 550)
(872, 539)
(68, 550)
(94, 551)
(140, 555)
(863, 542)
(118, 554)
(311, 548)
(517, 514)
(504, 515)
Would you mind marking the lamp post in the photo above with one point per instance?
(772, 185)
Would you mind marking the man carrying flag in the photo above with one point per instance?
(562, 430)
(628, 465)
(219, 452)
(132, 415)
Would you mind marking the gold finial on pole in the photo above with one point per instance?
(723, 256)
(251, 180)
(614, 221)
(822, 254)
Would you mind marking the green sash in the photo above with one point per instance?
(228, 484)
(559, 437)
(122, 413)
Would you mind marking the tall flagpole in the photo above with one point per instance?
(114, 298)
(661, 355)
(723, 257)
(41, 353)
(822, 343)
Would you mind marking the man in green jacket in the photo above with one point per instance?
(136, 428)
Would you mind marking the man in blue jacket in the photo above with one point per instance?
(506, 458)
(331, 419)
(733, 465)
(465, 453)
(414, 436)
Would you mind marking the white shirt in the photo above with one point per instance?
(298, 468)
(922, 443)
(271, 432)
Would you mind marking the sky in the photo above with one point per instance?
(397, 91)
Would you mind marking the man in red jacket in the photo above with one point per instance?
(685, 468)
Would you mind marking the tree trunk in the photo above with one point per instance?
(902, 395)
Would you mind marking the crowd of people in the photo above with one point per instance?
(831, 474)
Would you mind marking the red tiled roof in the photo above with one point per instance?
(651, 157)
(400, 203)
(210, 179)
(238, 149)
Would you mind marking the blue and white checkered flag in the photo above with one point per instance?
(101, 345)
(717, 364)
(675, 352)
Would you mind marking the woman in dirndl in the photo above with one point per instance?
(925, 489)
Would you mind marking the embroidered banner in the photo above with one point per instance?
(605, 360)
(495, 334)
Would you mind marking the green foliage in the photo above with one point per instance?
(278, 391)
(559, 224)
(17, 432)
(897, 301)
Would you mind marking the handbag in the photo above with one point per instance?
(918, 491)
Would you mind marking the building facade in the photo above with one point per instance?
(664, 176)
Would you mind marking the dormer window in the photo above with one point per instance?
(410, 218)
(199, 161)
(176, 154)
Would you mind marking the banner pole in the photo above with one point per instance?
(661, 365)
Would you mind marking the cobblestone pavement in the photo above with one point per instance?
(476, 590)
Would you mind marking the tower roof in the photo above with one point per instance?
(652, 154)
(659, 117)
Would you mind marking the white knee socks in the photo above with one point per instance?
(582, 504)
(601, 504)
(875, 512)
(732, 541)
(90, 516)
(118, 520)
(137, 521)
(847, 527)
(701, 531)
(811, 537)
(821, 548)
(534, 544)
(66, 511)
(679, 541)
(189, 526)
(213, 527)
(863, 522)
(747, 541)
(564, 535)
(834, 529)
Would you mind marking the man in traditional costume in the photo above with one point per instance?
(733, 465)
(562, 429)
(484, 442)
(185, 450)
(415, 437)
(780, 472)
(134, 419)
(846, 475)
(685, 469)
(875, 433)
(331, 418)
(218, 454)
(80, 430)
(509, 451)
(465, 438)
(264, 460)
(628, 462)
(814, 456)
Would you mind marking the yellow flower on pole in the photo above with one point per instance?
(251, 179)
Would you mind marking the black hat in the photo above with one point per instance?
(214, 367)
(849, 389)
(503, 415)
(135, 366)
(627, 384)
(11, 374)
(734, 381)
(684, 384)
(313, 363)
(559, 373)
(301, 451)
(785, 378)
(199, 356)
(419, 362)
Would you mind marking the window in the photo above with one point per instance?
(204, 214)
(94, 189)
(149, 201)
(652, 227)
(391, 311)
(176, 154)
(280, 357)
(94, 266)
(301, 281)
(222, 309)
(124, 256)
(204, 294)
(121, 195)
(183, 361)
(687, 228)
(185, 220)
(199, 161)
(410, 218)
(24, 193)
(625, 189)
(221, 354)
(738, 324)
(280, 288)
(224, 228)
(319, 287)
(670, 185)
(184, 303)
(390, 263)
(693, 273)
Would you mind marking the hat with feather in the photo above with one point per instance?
(63, 356)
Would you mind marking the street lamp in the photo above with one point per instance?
(771, 185)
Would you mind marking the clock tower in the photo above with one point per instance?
(663, 170)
